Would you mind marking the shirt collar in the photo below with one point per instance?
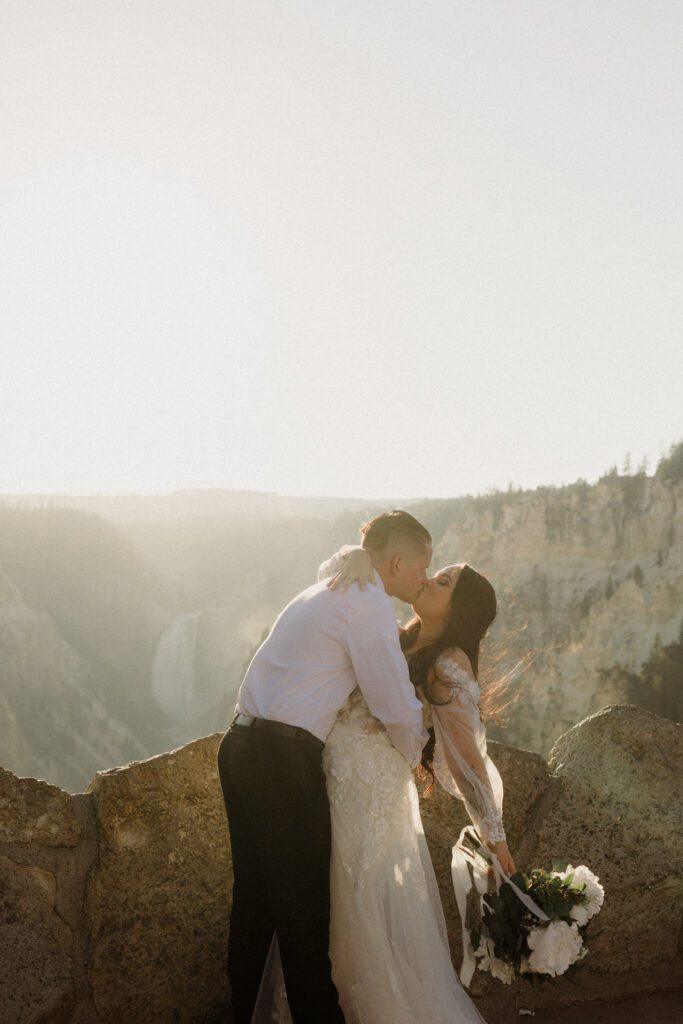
(378, 580)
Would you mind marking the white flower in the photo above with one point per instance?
(503, 971)
(581, 914)
(554, 947)
(490, 962)
(593, 894)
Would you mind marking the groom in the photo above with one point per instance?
(323, 645)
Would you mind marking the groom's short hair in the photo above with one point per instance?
(393, 528)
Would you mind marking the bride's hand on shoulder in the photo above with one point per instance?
(357, 568)
(504, 856)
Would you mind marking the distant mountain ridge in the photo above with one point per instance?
(194, 503)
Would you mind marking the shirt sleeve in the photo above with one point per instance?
(461, 761)
(333, 565)
(382, 674)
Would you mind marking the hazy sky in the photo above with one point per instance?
(346, 247)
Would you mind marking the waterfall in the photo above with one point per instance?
(173, 674)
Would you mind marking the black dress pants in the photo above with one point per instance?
(279, 821)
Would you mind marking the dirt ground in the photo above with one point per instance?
(657, 1008)
(662, 1007)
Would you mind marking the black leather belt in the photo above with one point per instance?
(281, 728)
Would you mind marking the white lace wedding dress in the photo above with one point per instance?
(388, 942)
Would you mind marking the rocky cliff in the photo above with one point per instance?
(79, 620)
(590, 581)
(114, 903)
(54, 718)
(120, 639)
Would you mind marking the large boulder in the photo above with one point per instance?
(33, 811)
(35, 947)
(114, 904)
(43, 847)
(158, 896)
(615, 804)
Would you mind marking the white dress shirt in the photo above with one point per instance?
(324, 644)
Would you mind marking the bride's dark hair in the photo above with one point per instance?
(472, 610)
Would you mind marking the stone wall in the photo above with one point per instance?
(114, 903)
(48, 846)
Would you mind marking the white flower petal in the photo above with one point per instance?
(554, 947)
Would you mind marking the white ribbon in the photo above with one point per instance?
(468, 865)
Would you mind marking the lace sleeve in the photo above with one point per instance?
(461, 761)
(332, 565)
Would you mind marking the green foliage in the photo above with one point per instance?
(503, 917)
(658, 687)
(555, 895)
(633, 491)
(670, 468)
(662, 681)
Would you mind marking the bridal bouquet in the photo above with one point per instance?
(512, 942)
(534, 925)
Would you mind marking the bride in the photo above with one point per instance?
(388, 942)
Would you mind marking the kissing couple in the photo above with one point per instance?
(336, 914)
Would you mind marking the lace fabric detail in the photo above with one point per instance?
(366, 779)
(457, 678)
(492, 829)
(388, 940)
(461, 761)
